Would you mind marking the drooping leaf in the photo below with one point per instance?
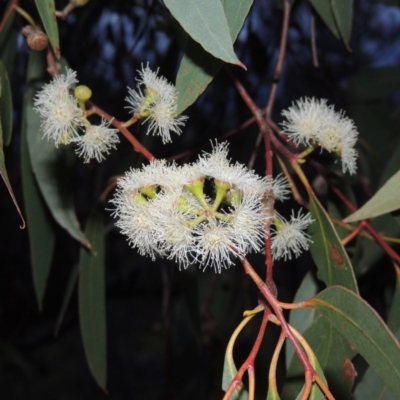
(47, 10)
(355, 319)
(52, 166)
(198, 67)
(324, 9)
(385, 200)
(333, 264)
(343, 13)
(373, 387)
(6, 108)
(39, 224)
(302, 318)
(375, 83)
(230, 371)
(206, 23)
(92, 310)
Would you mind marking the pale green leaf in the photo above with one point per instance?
(198, 68)
(205, 22)
(385, 200)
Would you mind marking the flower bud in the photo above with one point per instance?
(36, 39)
(83, 93)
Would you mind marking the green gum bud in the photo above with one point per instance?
(149, 191)
(193, 222)
(82, 93)
(196, 187)
(221, 189)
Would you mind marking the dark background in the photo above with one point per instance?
(161, 343)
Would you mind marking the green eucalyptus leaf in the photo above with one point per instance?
(385, 200)
(324, 9)
(355, 319)
(47, 10)
(39, 222)
(333, 264)
(373, 387)
(6, 106)
(343, 13)
(52, 166)
(206, 23)
(92, 309)
(198, 67)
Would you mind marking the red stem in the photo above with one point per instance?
(378, 238)
(274, 303)
(123, 129)
(249, 363)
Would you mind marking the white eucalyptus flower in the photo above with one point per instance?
(157, 104)
(97, 141)
(310, 121)
(61, 114)
(289, 237)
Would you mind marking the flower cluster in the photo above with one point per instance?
(156, 103)
(310, 121)
(165, 211)
(63, 118)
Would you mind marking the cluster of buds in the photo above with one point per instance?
(165, 211)
(313, 122)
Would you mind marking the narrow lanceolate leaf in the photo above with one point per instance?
(355, 319)
(333, 264)
(39, 224)
(373, 387)
(3, 171)
(385, 200)
(205, 22)
(92, 311)
(6, 112)
(47, 10)
(198, 67)
(324, 9)
(343, 13)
